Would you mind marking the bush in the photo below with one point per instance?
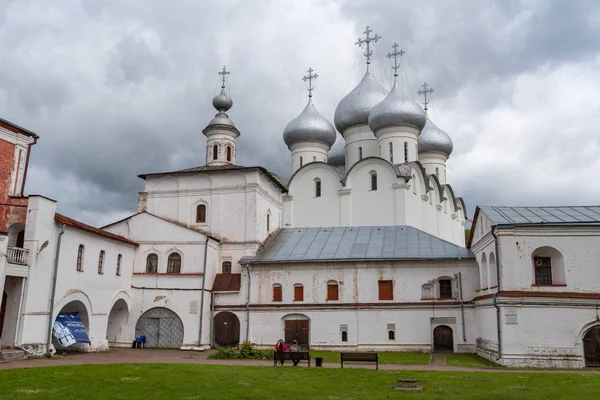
(245, 352)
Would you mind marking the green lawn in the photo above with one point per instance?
(469, 360)
(385, 357)
(176, 381)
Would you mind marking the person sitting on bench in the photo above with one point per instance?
(294, 348)
(280, 347)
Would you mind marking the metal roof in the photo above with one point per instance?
(357, 243)
(542, 215)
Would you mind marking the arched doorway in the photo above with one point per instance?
(117, 319)
(161, 327)
(297, 327)
(69, 338)
(443, 338)
(227, 329)
(3, 311)
(591, 347)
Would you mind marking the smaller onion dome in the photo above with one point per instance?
(309, 126)
(355, 107)
(395, 110)
(433, 139)
(337, 154)
(222, 102)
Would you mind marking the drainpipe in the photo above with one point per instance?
(212, 317)
(495, 297)
(203, 292)
(462, 306)
(248, 305)
(53, 293)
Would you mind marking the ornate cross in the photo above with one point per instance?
(224, 74)
(310, 78)
(395, 54)
(367, 42)
(424, 92)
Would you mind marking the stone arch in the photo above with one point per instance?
(327, 170)
(161, 327)
(557, 264)
(483, 269)
(368, 163)
(118, 317)
(73, 303)
(71, 296)
(227, 329)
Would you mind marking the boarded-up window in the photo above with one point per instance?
(298, 292)
(226, 267)
(277, 293)
(332, 291)
(543, 271)
(445, 289)
(386, 290)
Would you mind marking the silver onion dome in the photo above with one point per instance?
(433, 139)
(309, 126)
(222, 102)
(395, 110)
(355, 107)
(337, 154)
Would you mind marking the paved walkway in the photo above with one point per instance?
(121, 355)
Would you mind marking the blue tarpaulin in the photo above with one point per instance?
(68, 329)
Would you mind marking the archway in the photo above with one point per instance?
(227, 329)
(65, 338)
(443, 338)
(117, 319)
(591, 347)
(161, 327)
(297, 327)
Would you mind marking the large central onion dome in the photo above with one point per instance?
(309, 126)
(395, 110)
(433, 139)
(222, 102)
(354, 109)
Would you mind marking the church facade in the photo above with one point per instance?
(363, 248)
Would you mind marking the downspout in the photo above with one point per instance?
(462, 306)
(53, 293)
(248, 305)
(35, 139)
(203, 287)
(212, 318)
(495, 297)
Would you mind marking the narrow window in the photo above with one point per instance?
(314, 158)
(391, 335)
(333, 291)
(119, 258)
(80, 258)
(373, 180)
(380, 151)
(405, 152)
(277, 292)
(298, 292)
(201, 214)
(543, 270)
(215, 152)
(317, 187)
(152, 262)
(344, 336)
(360, 153)
(228, 153)
(268, 222)
(174, 263)
(226, 267)
(300, 160)
(101, 262)
(386, 290)
(391, 153)
(445, 288)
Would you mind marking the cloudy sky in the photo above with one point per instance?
(116, 88)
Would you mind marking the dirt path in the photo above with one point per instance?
(118, 356)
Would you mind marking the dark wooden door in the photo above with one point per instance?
(227, 329)
(591, 347)
(3, 311)
(443, 338)
(297, 329)
(20, 243)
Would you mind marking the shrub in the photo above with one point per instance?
(246, 351)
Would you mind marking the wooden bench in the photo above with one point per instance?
(291, 355)
(362, 357)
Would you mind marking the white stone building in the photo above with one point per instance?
(363, 248)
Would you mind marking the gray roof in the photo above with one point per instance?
(542, 215)
(357, 243)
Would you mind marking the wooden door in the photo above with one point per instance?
(227, 329)
(297, 329)
(3, 311)
(443, 338)
(591, 347)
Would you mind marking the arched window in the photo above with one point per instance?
(215, 152)
(548, 267)
(317, 187)
(360, 153)
(314, 158)
(80, 252)
(226, 267)
(391, 153)
(118, 271)
(268, 221)
(277, 293)
(300, 160)
(483, 268)
(101, 262)
(298, 292)
(228, 153)
(392, 335)
(152, 262)
(373, 180)
(445, 288)
(405, 152)
(333, 292)
(201, 214)
(344, 336)
(174, 263)
(437, 172)
(492, 271)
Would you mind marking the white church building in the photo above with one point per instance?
(362, 249)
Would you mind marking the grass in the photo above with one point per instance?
(469, 360)
(178, 381)
(385, 357)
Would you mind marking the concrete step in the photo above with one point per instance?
(12, 355)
